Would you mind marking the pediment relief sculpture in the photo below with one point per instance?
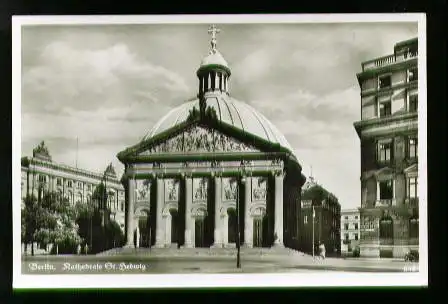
(199, 139)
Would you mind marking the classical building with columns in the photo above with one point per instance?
(40, 173)
(206, 164)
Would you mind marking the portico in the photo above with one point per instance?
(196, 207)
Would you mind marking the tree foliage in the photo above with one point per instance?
(51, 219)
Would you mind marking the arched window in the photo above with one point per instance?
(174, 226)
(232, 218)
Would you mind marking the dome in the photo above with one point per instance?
(215, 58)
(228, 110)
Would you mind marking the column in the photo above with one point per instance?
(218, 222)
(278, 226)
(189, 224)
(159, 207)
(225, 229)
(248, 222)
(217, 82)
(137, 237)
(130, 213)
(168, 220)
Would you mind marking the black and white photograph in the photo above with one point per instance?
(219, 151)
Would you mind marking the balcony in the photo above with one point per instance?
(388, 60)
(385, 203)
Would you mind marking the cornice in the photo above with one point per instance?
(387, 68)
(361, 125)
(390, 90)
(65, 169)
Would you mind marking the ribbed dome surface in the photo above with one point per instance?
(230, 111)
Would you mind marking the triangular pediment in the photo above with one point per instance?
(198, 139)
(411, 169)
(384, 173)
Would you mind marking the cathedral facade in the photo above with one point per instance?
(208, 166)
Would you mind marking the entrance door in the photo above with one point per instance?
(266, 240)
(231, 226)
(174, 226)
(199, 233)
(144, 231)
(258, 232)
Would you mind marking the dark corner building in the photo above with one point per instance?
(327, 219)
(388, 132)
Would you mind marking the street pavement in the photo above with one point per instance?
(134, 264)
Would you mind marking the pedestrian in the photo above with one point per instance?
(322, 251)
(78, 249)
(87, 248)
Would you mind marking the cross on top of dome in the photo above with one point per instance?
(213, 30)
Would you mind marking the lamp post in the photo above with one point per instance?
(314, 215)
(238, 259)
(238, 241)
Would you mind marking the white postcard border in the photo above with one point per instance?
(321, 279)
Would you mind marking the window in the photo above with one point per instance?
(356, 226)
(122, 206)
(346, 217)
(69, 184)
(356, 236)
(412, 188)
(346, 226)
(413, 228)
(79, 185)
(412, 147)
(384, 151)
(386, 231)
(356, 217)
(42, 178)
(346, 236)
(413, 103)
(384, 82)
(385, 108)
(412, 74)
(59, 182)
(386, 190)
(305, 219)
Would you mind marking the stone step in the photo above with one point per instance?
(202, 252)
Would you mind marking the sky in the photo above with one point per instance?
(108, 85)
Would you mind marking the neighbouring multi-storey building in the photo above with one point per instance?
(40, 174)
(326, 220)
(350, 230)
(389, 153)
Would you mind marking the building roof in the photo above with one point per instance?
(409, 42)
(347, 211)
(229, 110)
(214, 59)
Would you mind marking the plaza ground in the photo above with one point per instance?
(155, 262)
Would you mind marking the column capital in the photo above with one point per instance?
(278, 173)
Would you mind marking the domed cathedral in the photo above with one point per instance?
(208, 167)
